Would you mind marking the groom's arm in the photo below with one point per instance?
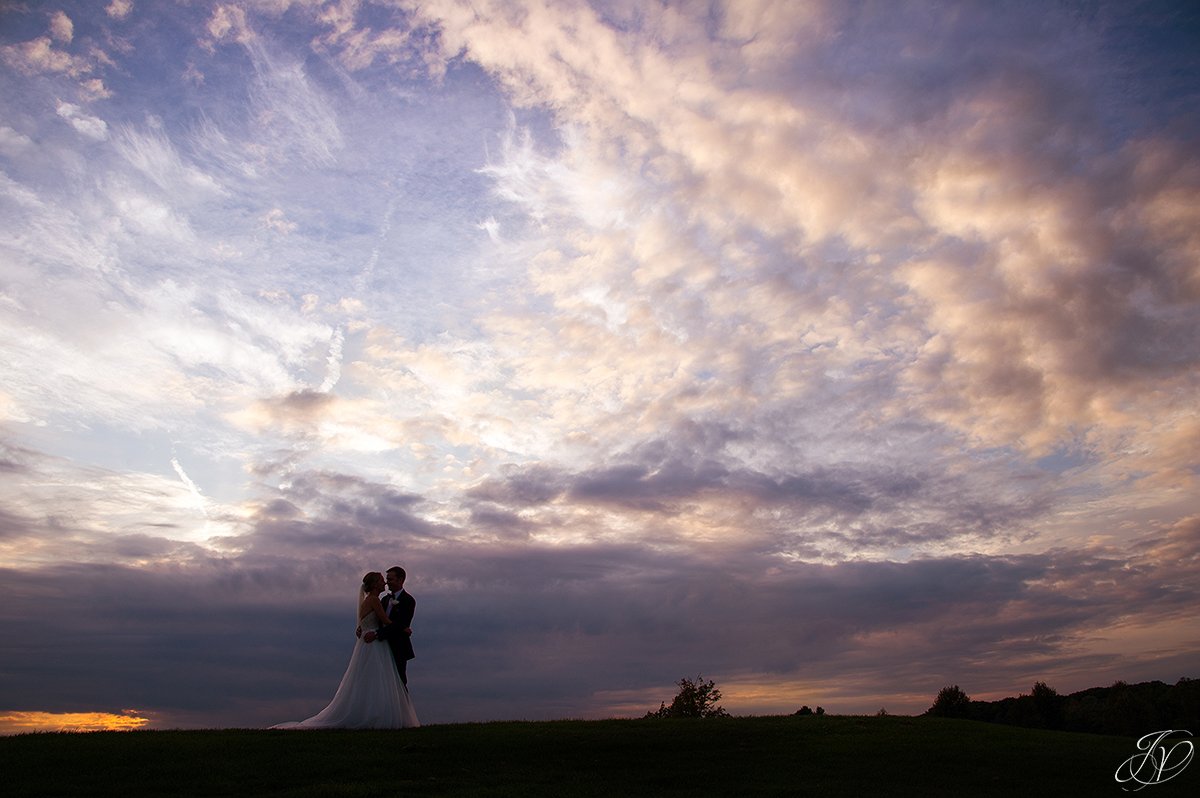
(393, 631)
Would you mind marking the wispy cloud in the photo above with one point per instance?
(90, 126)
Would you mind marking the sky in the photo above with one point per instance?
(833, 351)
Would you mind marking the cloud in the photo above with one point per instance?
(1015, 232)
(292, 116)
(357, 46)
(277, 220)
(1070, 313)
(334, 361)
(13, 142)
(293, 112)
(60, 511)
(119, 9)
(39, 55)
(228, 21)
(51, 54)
(665, 494)
(90, 126)
(61, 28)
(555, 624)
(191, 486)
(176, 332)
(153, 154)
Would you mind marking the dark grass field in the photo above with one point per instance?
(818, 756)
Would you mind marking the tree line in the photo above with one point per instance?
(1121, 709)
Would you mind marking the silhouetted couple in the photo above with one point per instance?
(374, 690)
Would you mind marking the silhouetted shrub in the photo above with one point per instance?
(696, 699)
(951, 702)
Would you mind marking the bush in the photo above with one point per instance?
(951, 702)
(696, 699)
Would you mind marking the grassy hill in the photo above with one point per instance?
(819, 756)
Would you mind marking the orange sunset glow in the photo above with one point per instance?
(26, 722)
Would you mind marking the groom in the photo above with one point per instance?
(400, 607)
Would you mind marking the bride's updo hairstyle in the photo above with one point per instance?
(373, 578)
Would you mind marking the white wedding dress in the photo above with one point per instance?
(371, 695)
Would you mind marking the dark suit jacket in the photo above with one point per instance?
(400, 610)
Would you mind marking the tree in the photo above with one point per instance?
(951, 702)
(696, 699)
(1048, 706)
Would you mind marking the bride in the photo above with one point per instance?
(371, 695)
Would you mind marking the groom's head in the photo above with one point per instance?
(395, 578)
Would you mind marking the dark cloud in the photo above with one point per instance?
(325, 511)
(660, 473)
(14, 526)
(656, 487)
(522, 486)
(306, 403)
(499, 521)
(525, 629)
(16, 459)
(516, 628)
(854, 504)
